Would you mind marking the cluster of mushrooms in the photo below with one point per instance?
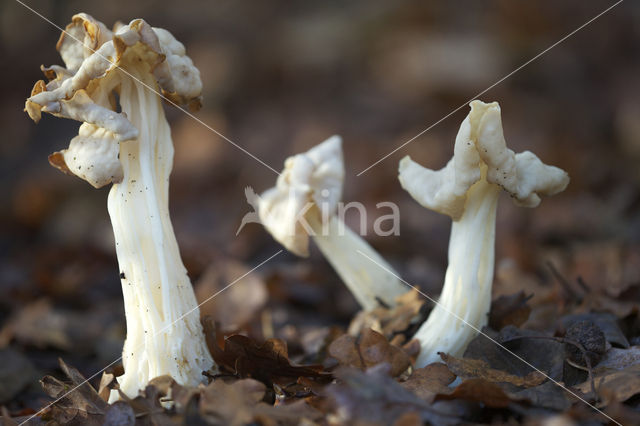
(114, 83)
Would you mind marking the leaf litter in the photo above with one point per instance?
(276, 366)
(368, 377)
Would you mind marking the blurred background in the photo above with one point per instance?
(280, 77)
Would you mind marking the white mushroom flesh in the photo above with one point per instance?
(303, 203)
(467, 189)
(133, 150)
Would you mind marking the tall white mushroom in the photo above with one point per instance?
(467, 189)
(303, 203)
(133, 150)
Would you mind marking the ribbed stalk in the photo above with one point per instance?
(467, 287)
(164, 335)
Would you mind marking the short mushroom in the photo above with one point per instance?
(467, 190)
(133, 150)
(303, 203)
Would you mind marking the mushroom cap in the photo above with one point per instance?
(84, 90)
(479, 145)
(92, 156)
(310, 183)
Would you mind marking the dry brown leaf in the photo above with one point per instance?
(82, 406)
(298, 413)
(267, 362)
(240, 403)
(374, 398)
(467, 367)
(121, 414)
(543, 354)
(479, 390)
(231, 404)
(615, 386)
(548, 395)
(370, 349)
(345, 350)
(403, 319)
(509, 310)
(427, 382)
(104, 389)
(409, 419)
(618, 359)
(147, 406)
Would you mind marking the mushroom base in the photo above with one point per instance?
(464, 304)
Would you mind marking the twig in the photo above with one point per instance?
(564, 283)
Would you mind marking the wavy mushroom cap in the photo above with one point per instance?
(96, 60)
(481, 152)
(310, 182)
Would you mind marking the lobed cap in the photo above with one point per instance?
(480, 152)
(96, 59)
(309, 182)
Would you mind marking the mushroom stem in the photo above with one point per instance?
(466, 294)
(164, 335)
(466, 189)
(344, 249)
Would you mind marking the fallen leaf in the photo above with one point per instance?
(544, 354)
(315, 343)
(374, 398)
(509, 310)
(618, 359)
(119, 414)
(370, 349)
(615, 386)
(104, 388)
(295, 414)
(147, 406)
(622, 413)
(428, 381)
(268, 362)
(409, 419)
(78, 403)
(231, 404)
(403, 319)
(476, 368)
(547, 395)
(479, 390)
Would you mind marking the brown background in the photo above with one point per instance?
(280, 77)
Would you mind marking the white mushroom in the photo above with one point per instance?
(133, 150)
(303, 203)
(467, 189)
